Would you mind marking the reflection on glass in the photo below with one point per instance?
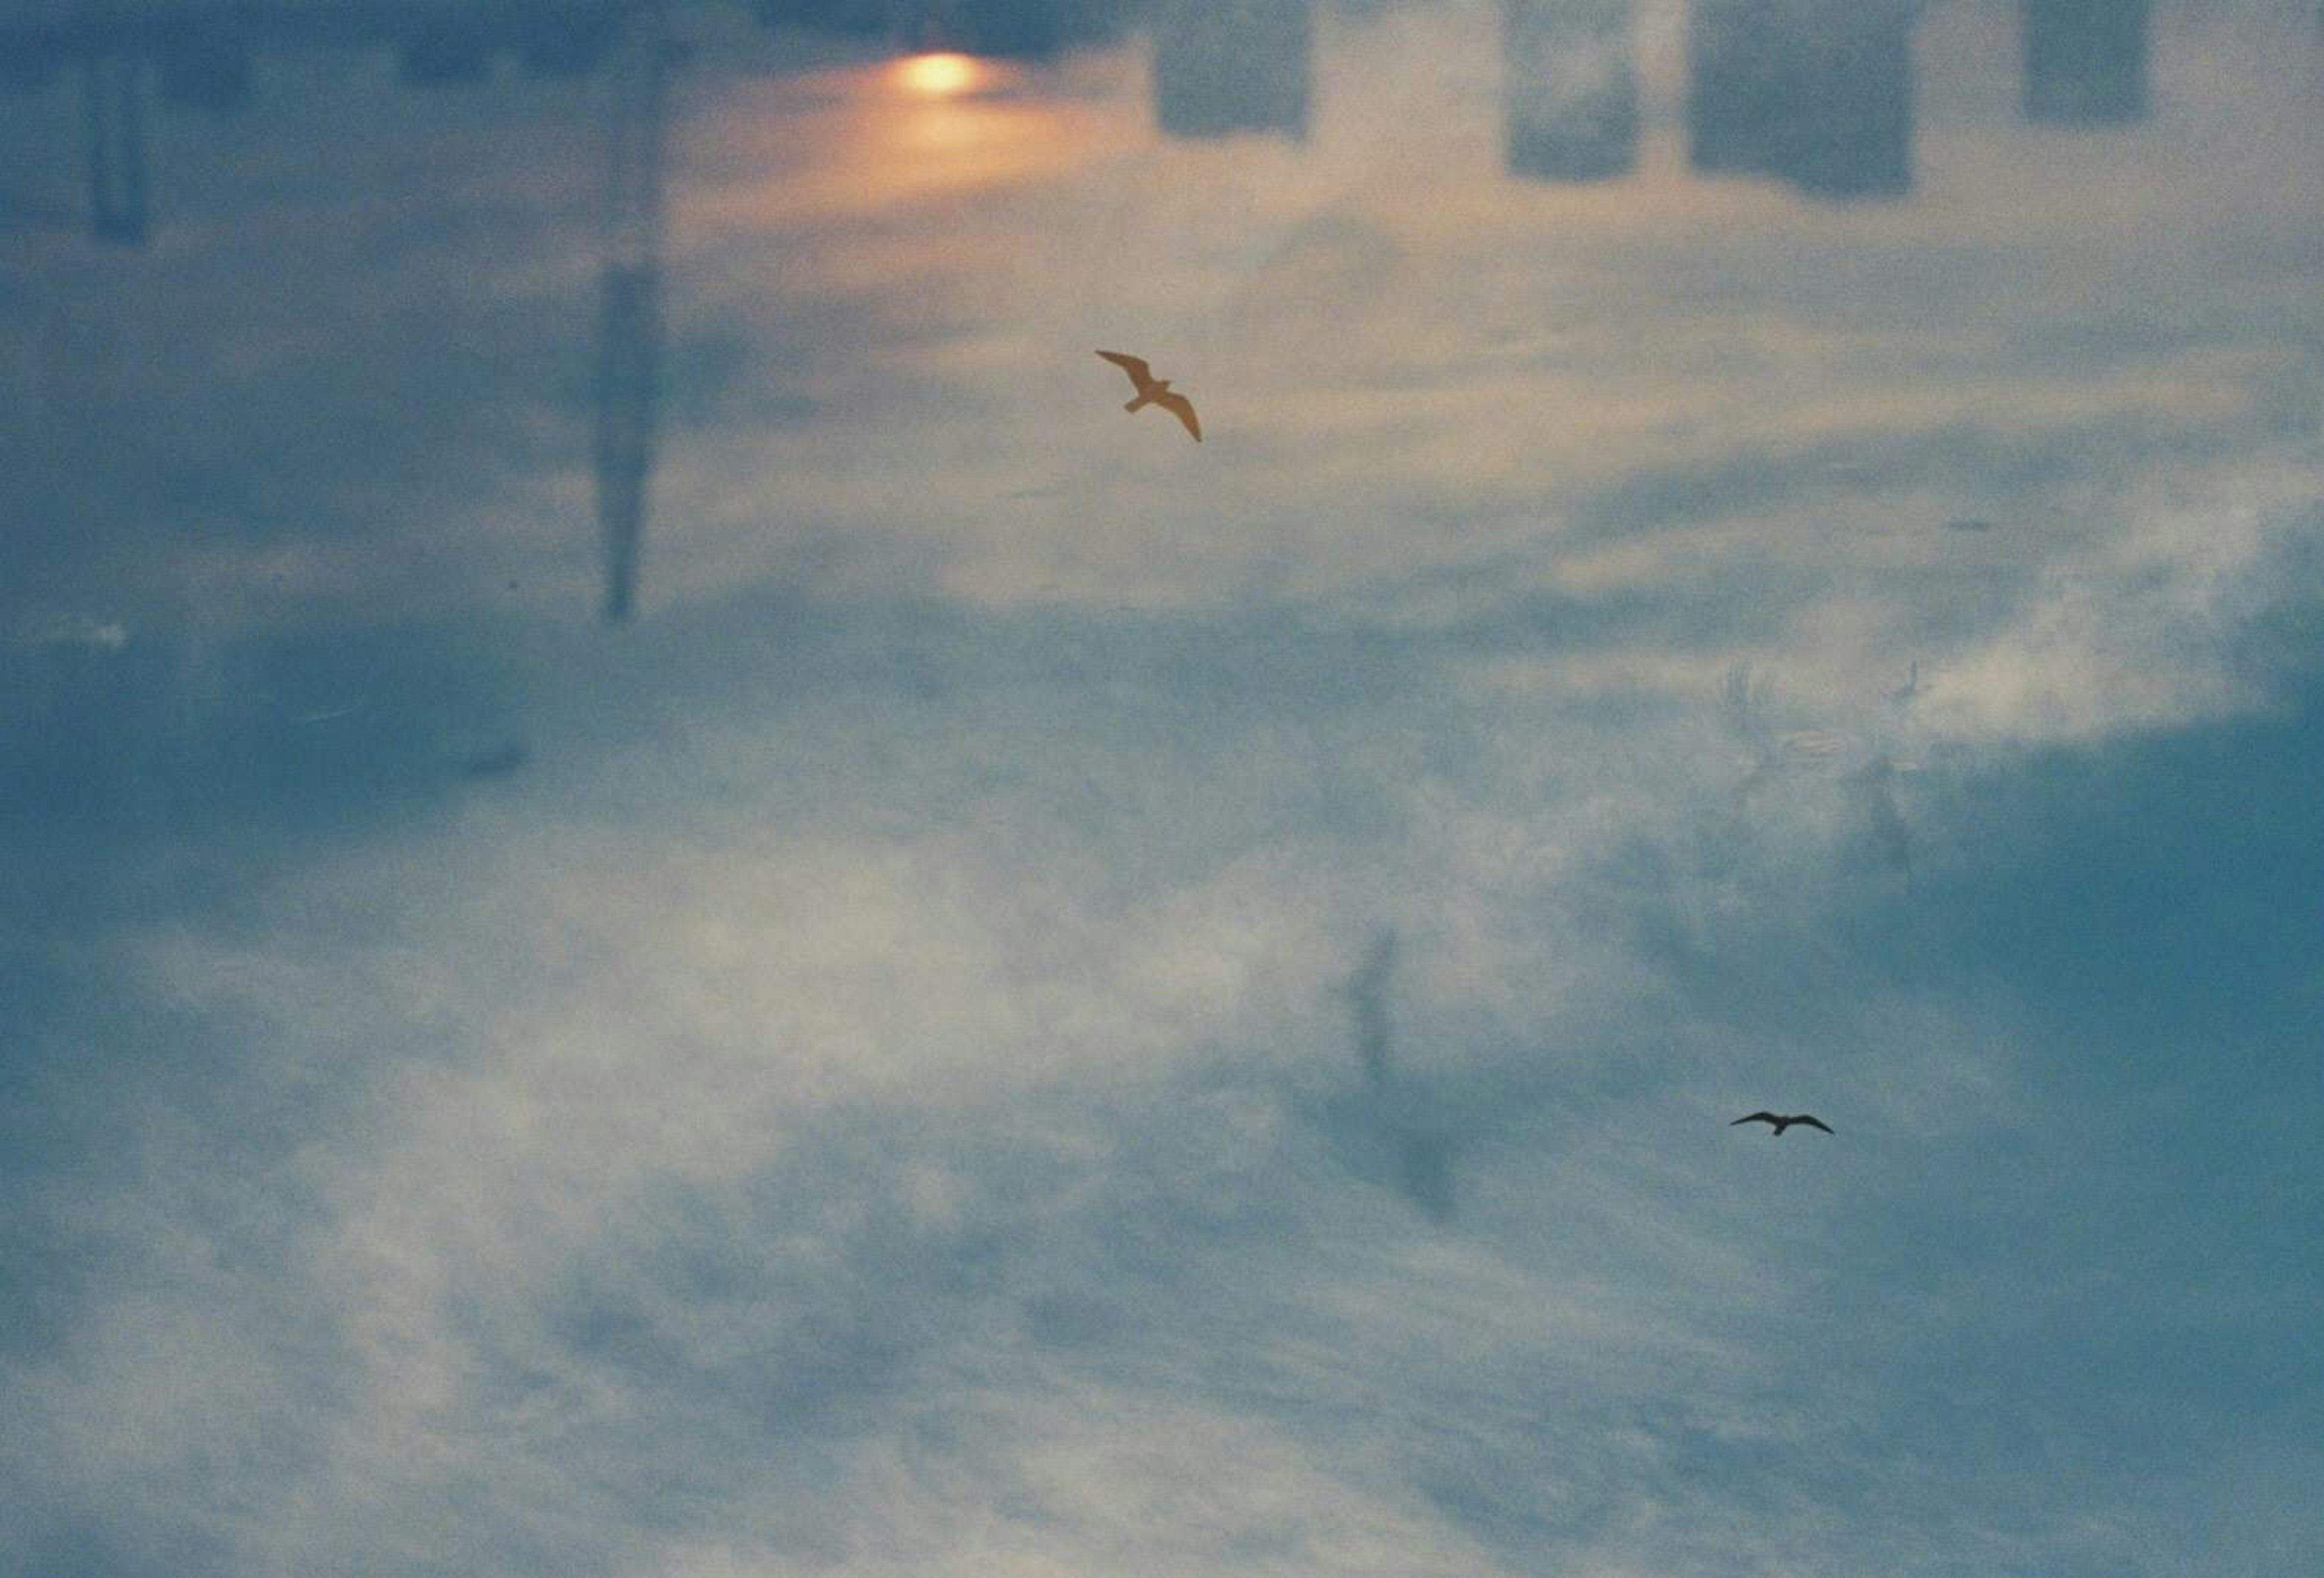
(205, 67)
(446, 50)
(912, 1052)
(858, 18)
(1007, 28)
(1025, 29)
(2085, 61)
(559, 44)
(28, 61)
(1226, 66)
(1571, 88)
(206, 61)
(1813, 92)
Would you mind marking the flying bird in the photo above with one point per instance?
(1779, 1124)
(1153, 391)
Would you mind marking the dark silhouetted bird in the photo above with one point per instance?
(1779, 1124)
(1153, 391)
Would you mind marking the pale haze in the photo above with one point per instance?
(671, 908)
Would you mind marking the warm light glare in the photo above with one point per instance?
(938, 76)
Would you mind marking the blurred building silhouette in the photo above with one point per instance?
(1025, 29)
(444, 49)
(1570, 89)
(207, 68)
(559, 47)
(1818, 93)
(2085, 61)
(1029, 30)
(1228, 66)
(206, 59)
(29, 60)
(206, 51)
(848, 18)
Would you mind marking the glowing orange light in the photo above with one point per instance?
(937, 76)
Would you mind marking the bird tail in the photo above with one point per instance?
(1141, 399)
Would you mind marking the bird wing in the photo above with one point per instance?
(1139, 373)
(1812, 1122)
(1183, 408)
(1757, 1118)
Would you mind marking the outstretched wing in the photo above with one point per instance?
(1812, 1122)
(1139, 373)
(1179, 406)
(1757, 1118)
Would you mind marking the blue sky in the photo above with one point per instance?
(1060, 1001)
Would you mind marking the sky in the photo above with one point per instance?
(1055, 999)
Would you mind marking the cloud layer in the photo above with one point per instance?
(1054, 1008)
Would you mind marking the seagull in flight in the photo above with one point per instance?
(1153, 391)
(1777, 1123)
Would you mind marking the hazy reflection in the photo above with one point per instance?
(207, 56)
(1029, 30)
(558, 40)
(463, 1059)
(29, 60)
(210, 68)
(448, 49)
(859, 18)
(1571, 87)
(1226, 66)
(1017, 28)
(1815, 92)
(2085, 61)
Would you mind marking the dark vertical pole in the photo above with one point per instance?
(629, 325)
(114, 97)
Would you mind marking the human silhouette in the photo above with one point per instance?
(1391, 1118)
